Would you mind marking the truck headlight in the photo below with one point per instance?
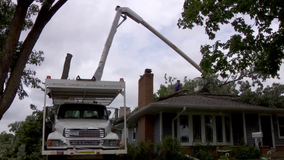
(111, 143)
(55, 143)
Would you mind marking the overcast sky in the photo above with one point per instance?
(81, 28)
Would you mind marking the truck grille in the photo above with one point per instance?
(76, 132)
(84, 142)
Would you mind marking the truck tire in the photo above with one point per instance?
(55, 157)
(112, 157)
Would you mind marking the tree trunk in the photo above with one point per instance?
(14, 79)
(66, 66)
(11, 41)
(8, 50)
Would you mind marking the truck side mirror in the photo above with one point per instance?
(109, 112)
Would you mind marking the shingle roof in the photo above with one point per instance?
(201, 99)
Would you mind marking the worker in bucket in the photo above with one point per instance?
(177, 86)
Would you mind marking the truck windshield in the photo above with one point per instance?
(87, 111)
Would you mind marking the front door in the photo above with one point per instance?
(266, 130)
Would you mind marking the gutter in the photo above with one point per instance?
(173, 131)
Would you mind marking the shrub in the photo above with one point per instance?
(248, 152)
(131, 149)
(145, 150)
(202, 152)
(170, 149)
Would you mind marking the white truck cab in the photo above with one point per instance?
(82, 126)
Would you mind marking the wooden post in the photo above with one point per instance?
(66, 66)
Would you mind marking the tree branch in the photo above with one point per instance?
(227, 82)
(55, 8)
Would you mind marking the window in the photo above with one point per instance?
(72, 114)
(219, 129)
(206, 128)
(90, 114)
(209, 128)
(281, 126)
(228, 128)
(134, 134)
(196, 121)
(88, 111)
(184, 130)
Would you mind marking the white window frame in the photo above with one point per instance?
(280, 137)
(203, 140)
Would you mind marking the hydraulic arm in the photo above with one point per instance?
(125, 12)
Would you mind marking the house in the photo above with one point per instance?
(203, 118)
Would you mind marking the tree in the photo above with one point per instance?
(6, 141)
(167, 88)
(270, 96)
(256, 48)
(14, 57)
(25, 142)
(211, 85)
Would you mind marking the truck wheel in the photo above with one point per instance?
(55, 157)
(112, 157)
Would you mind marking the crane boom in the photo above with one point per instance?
(127, 12)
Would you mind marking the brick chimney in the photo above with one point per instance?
(145, 97)
(145, 90)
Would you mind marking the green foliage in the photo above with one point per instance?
(170, 149)
(256, 47)
(271, 96)
(216, 86)
(28, 136)
(145, 150)
(6, 147)
(166, 89)
(211, 84)
(7, 8)
(131, 152)
(202, 152)
(29, 76)
(248, 152)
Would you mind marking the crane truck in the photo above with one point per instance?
(81, 127)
